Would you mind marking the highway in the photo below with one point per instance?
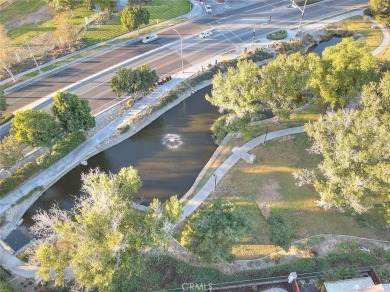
(232, 30)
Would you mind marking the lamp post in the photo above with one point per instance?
(215, 181)
(36, 63)
(302, 11)
(181, 51)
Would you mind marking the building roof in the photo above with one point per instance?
(350, 285)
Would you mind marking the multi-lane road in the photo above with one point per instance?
(232, 30)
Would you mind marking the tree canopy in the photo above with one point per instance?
(35, 128)
(213, 230)
(129, 81)
(285, 80)
(354, 144)
(3, 103)
(237, 92)
(73, 113)
(11, 151)
(344, 69)
(102, 234)
(65, 31)
(134, 16)
(380, 6)
(70, 5)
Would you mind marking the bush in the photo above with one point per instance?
(281, 232)
(61, 149)
(8, 184)
(27, 170)
(368, 12)
(382, 19)
(219, 130)
(348, 259)
(277, 35)
(6, 117)
(25, 197)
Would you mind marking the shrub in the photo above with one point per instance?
(277, 35)
(382, 19)
(219, 130)
(27, 170)
(8, 184)
(61, 149)
(368, 12)
(25, 197)
(348, 259)
(281, 232)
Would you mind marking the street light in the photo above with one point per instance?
(215, 181)
(36, 63)
(181, 51)
(302, 11)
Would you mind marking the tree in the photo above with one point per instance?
(3, 103)
(213, 230)
(65, 32)
(129, 81)
(11, 151)
(284, 81)
(102, 234)
(133, 17)
(73, 113)
(380, 6)
(344, 69)
(35, 128)
(70, 5)
(105, 5)
(237, 92)
(354, 171)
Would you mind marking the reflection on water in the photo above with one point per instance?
(318, 49)
(169, 154)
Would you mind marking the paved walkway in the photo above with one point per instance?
(210, 185)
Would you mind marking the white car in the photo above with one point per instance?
(149, 38)
(205, 34)
(208, 9)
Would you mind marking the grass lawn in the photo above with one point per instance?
(361, 24)
(20, 7)
(160, 10)
(270, 180)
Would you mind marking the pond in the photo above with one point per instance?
(318, 49)
(169, 154)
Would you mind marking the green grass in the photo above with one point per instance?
(246, 184)
(20, 7)
(161, 10)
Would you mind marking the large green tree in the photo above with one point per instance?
(285, 81)
(380, 6)
(70, 5)
(11, 151)
(102, 234)
(129, 81)
(35, 128)
(355, 169)
(134, 16)
(73, 113)
(65, 31)
(213, 230)
(345, 67)
(237, 92)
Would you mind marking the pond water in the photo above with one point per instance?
(318, 49)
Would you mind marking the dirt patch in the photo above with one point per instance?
(269, 193)
(43, 13)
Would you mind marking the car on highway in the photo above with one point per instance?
(208, 9)
(149, 38)
(205, 34)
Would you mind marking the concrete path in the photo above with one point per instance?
(385, 41)
(210, 185)
(16, 266)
